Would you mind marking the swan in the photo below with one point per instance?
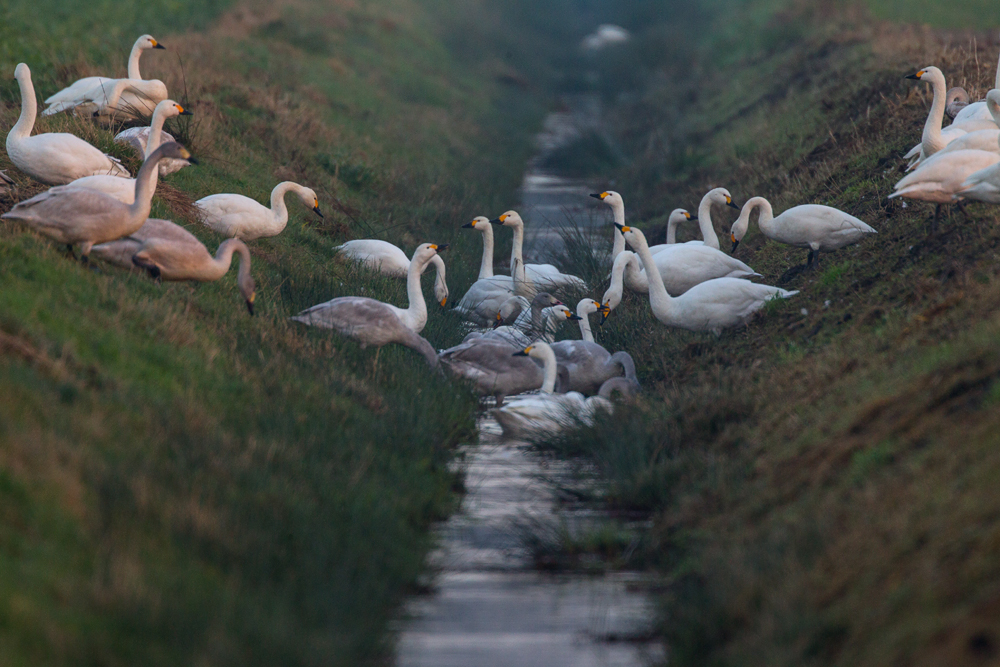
(490, 294)
(713, 305)
(76, 93)
(549, 321)
(934, 138)
(940, 179)
(980, 140)
(347, 314)
(955, 100)
(383, 257)
(677, 216)
(814, 226)
(617, 204)
(145, 140)
(548, 413)
(510, 310)
(54, 158)
(587, 364)
(170, 252)
(530, 277)
(492, 368)
(984, 184)
(72, 215)
(243, 218)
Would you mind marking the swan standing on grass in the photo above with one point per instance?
(677, 216)
(167, 251)
(243, 218)
(145, 140)
(934, 137)
(72, 215)
(490, 293)
(548, 413)
(587, 364)
(531, 277)
(713, 305)
(77, 93)
(814, 226)
(385, 258)
(54, 158)
(940, 179)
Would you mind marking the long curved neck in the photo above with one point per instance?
(155, 132)
(517, 254)
(624, 359)
(635, 277)
(550, 371)
(613, 295)
(133, 62)
(224, 258)
(145, 186)
(415, 341)
(932, 140)
(585, 331)
(279, 211)
(486, 265)
(29, 109)
(113, 92)
(659, 299)
(671, 230)
(439, 270)
(708, 234)
(619, 214)
(548, 328)
(417, 308)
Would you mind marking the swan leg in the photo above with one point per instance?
(961, 207)
(934, 221)
(809, 260)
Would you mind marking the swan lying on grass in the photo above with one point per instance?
(713, 305)
(167, 251)
(814, 226)
(387, 259)
(376, 323)
(80, 92)
(243, 218)
(145, 140)
(53, 158)
(71, 215)
(547, 413)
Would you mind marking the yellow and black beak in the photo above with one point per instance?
(731, 204)
(916, 76)
(444, 301)
(498, 221)
(250, 301)
(316, 209)
(498, 321)
(600, 196)
(522, 353)
(605, 312)
(157, 45)
(440, 247)
(183, 111)
(469, 225)
(735, 243)
(622, 228)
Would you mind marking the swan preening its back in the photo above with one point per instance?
(385, 258)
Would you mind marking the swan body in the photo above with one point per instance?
(713, 305)
(814, 226)
(376, 323)
(548, 413)
(243, 218)
(71, 215)
(147, 139)
(492, 368)
(385, 258)
(79, 92)
(940, 180)
(170, 252)
(484, 299)
(54, 158)
(587, 364)
(528, 278)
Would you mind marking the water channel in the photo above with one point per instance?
(489, 606)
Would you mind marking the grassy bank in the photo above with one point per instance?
(823, 482)
(180, 483)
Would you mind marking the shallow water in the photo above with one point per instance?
(489, 608)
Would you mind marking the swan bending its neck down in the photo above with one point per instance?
(76, 94)
(528, 278)
(169, 252)
(54, 158)
(385, 258)
(814, 226)
(617, 204)
(243, 218)
(717, 196)
(713, 305)
(372, 322)
(145, 140)
(72, 215)
(547, 413)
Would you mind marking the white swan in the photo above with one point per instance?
(145, 140)
(587, 364)
(940, 179)
(167, 251)
(54, 158)
(72, 215)
(492, 368)
(77, 93)
(935, 138)
(528, 278)
(490, 294)
(814, 226)
(713, 305)
(347, 314)
(243, 218)
(548, 413)
(383, 257)
(677, 216)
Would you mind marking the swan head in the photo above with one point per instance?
(929, 74)
(680, 215)
(21, 72)
(509, 219)
(425, 251)
(173, 150)
(720, 196)
(742, 224)
(561, 314)
(248, 289)
(148, 42)
(587, 307)
(611, 198)
(537, 350)
(993, 103)
(633, 236)
(171, 109)
(480, 223)
(544, 300)
(309, 198)
(955, 100)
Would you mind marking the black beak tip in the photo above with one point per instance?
(441, 247)
(597, 196)
(522, 353)
(467, 225)
(733, 204)
(186, 113)
(693, 217)
(193, 160)
(250, 308)
(619, 227)
(575, 317)
(913, 76)
(496, 221)
(733, 251)
(159, 46)
(317, 211)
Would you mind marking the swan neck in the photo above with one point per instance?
(932, 127)
(624, 359)
(659, 299)
(486, 265)
(279, 210)
(551, 369)
(671, 231)
(708, 234)
(29, 109)
(155, 132)
(417, 307)
(585, 331)
(224, 259)
(619, 245)
(615, 290)
(145, 186)
(133, 62)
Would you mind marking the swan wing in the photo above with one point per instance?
(382, 256)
